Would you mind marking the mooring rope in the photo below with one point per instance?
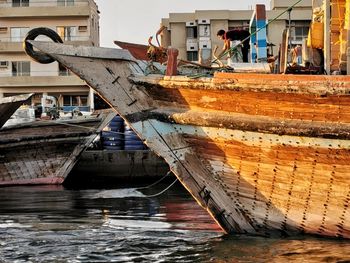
(163, 191)
(157, 182)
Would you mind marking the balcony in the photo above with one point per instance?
(8, 45)
(284, 4)
(45, 9)
(42, 84)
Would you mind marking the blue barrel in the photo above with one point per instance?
(117, 118)
(113, 137)
(116, 124)
(131, 140)
(113, 143)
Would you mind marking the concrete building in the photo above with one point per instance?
(191, 32)
(76, 21)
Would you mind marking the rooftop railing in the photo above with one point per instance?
(35, 73)
(44, 3)
(66, 38)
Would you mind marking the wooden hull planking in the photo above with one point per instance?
(263, 154)
(45, 152)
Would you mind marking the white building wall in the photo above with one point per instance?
(45, 78)
(178, 38)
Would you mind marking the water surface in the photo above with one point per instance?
(54, 224)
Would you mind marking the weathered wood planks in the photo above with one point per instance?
(45, 152)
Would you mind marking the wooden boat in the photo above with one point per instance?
(44, 152)
(264, 154)
(9, 105)
(138, 51)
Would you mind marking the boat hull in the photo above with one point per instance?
(45, 152)
(264, 154)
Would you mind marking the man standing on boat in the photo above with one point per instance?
(232, 35)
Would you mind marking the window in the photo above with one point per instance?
(83, 100)
(20, 68)
(67, 33)
(4, 64)
(240, 25)
(18, 33)
(65, 2)
(299, 30)
(82, 28)
(191, 32)
(301, 33)
(19, 3)
(192, 55)
(73, 100)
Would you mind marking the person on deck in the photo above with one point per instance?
(235, 34)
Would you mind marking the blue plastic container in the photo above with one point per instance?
(116, 124)
(113, 139)
(117, 118)
(113, 143)
(117, 135)
(132, 141)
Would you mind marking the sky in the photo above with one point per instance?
(136, 20)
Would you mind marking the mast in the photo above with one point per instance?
(327, 42)
(347, 28)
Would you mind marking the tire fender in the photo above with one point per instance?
(39, 56)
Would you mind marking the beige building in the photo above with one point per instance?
(76, 21)
(191, 32)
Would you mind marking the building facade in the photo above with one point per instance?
(195, 32)
(76, 21)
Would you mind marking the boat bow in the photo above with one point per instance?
(259, 152)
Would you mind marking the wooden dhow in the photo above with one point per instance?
(138, 51)
(44, 152)
(264, 154)
(9, 105)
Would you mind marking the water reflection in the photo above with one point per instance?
(53, 224)
(42, 224)
(303, 249)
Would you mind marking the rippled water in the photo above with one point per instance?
(53, 224)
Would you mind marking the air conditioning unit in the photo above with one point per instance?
(4, 64)
(82, 28)
(191, 24)
(192, 46)
(204, 43)
(3, 29)
(203, 21)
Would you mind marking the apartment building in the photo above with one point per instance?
(76, 21)
(192, 32)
